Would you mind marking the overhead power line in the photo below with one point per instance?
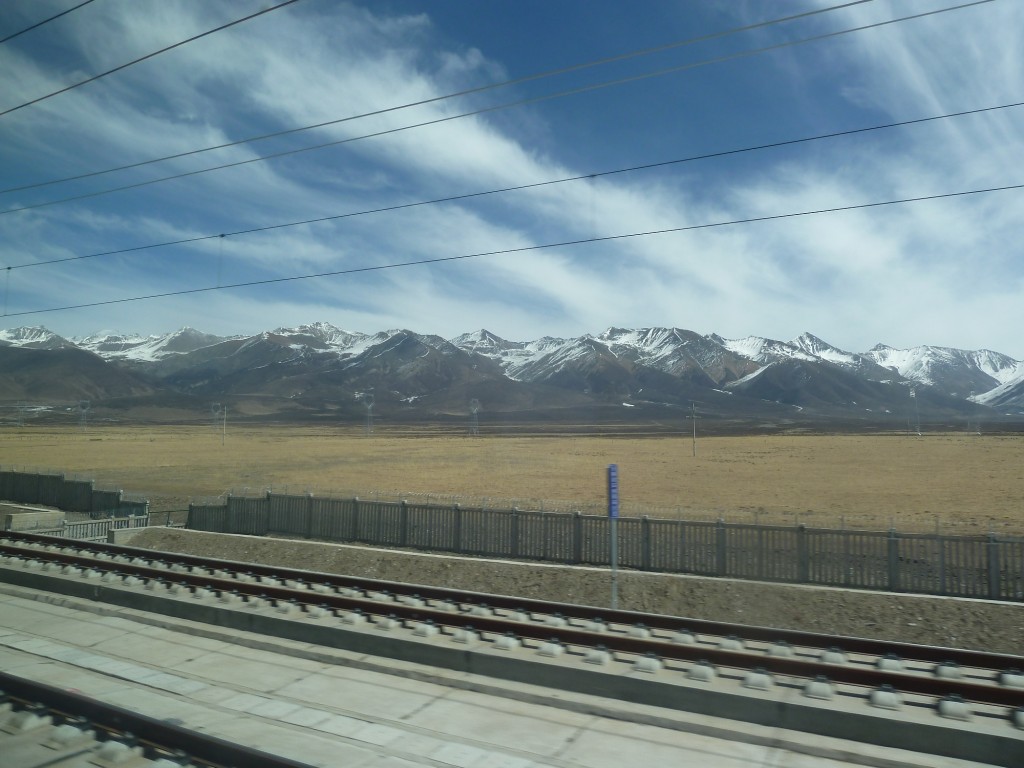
(44, 21)
(466, 92)
(147, 56)
(521, 249)
(521, 187)
(485, 110)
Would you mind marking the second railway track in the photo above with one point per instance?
(953, 702)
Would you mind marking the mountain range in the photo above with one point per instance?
(650, 375)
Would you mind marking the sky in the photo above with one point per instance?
(566, 257)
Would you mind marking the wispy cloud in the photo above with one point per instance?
(933, 272)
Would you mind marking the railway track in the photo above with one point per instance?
(49, 726)
(916, 697)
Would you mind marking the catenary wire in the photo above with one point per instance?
(521, 249)
(146, 57)
(467, 92)
(495, 108)
(44, 21)
(521, 187)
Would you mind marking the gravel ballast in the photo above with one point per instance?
(942, 621)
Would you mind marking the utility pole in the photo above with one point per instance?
(693, 417)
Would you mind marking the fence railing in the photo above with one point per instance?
(94, 530)
(71, 495)
(97, 530)
(990, 567)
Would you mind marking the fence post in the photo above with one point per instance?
(645, 543)
(720, 548)
(577, 537)
(457, 533)
(894, 560)
(514, 544)
(403, 523)
(941, 548)
(803, 555)
(992, 547)
(309, 515)
(355, 518)
(760, 559)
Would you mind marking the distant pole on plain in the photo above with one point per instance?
(693, 416)
(224, 427)
(917, 412)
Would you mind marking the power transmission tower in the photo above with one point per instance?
(83, 414)
(368, 401)
(219, 414)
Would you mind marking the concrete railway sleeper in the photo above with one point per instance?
(945, 662)
(821, 684)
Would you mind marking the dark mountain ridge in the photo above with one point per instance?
(319, 371)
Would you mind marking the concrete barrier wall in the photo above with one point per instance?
(54, 490)
(31, 521)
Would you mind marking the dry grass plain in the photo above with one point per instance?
(958, 483)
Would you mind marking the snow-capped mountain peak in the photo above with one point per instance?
(35, 337)
(620, 363)
(322, 335)
(483, 342)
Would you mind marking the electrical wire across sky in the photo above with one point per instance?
(521, 187)
(148, 56)
(522, 249)
(445, 97)
(437, 166)
(461, 115)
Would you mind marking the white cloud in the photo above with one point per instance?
(911, 274)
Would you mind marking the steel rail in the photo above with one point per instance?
(867, 646)
(859, 675)
(159, 736)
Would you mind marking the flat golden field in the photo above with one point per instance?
(960, 483)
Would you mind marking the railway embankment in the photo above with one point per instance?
(940, 621)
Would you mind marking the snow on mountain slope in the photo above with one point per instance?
(954, 370)
(518, 359)
(116, 346)
(142, 349)
(821, 350)
(483, 342)
(764, 351)
(804, 347)
(323, 336)
(1000, 367)
(540, 360)
(35, 337)
(748, 378)
(678, 352)
(1008, 394)
(659, 358)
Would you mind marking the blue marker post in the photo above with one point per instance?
(613, 519)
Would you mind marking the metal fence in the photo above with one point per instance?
(70, 495)
(96, 530)
(989, 567)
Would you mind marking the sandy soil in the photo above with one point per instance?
(949, 622)
(957, 483)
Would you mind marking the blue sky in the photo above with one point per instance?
(946, 272)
